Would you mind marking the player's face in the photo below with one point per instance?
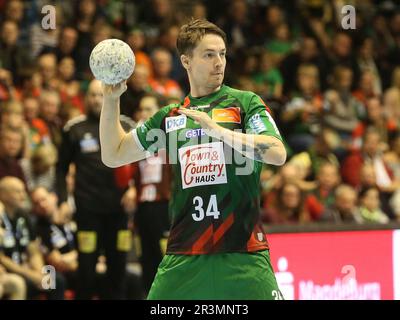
(206, 66)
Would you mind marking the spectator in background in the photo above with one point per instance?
(138, 86)
(57, 233)
(307, 53)
(11, 145)
(14, 11)
(12, 116)
(137, 41)
(302, 114)
(391, 105)
(161, 81)
(281, 44)
(50, 105)
(48, 70)
(13, 57)
(371, 152)
(370, 209)
(158, 13)
(20, 12)
(66, 45)
(322, 150)
(344, 209)
(366, 61)
(395, 81)
(289, 207)
(322, 197)
(392, 159)
(39, 170)
(368, 178)
(342, 111)
(272, 18)
(268, 79)
(292, 172)
(38, 130)
(377, 120)
(167, 40)
(383, 40)
(7, 89)
(86, 15)
(237, 26)
(339, 50)
(246, 70)
(31, 83)
(21, 248)
(199, 10)
(366, 87)
(12, 286)
(69, 89)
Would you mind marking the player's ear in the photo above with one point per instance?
(185, 61)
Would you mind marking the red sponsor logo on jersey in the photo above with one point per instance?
(202, 165)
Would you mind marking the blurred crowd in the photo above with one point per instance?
(334, 93)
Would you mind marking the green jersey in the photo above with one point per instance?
(215, 199)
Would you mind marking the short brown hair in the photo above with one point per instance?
(192, 32)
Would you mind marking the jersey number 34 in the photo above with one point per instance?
(211, 211)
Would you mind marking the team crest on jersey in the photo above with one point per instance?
(231, 114)
(202, 164)
(175, 123)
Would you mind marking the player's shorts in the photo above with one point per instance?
(223, 276)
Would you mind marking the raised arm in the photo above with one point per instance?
(117, 146)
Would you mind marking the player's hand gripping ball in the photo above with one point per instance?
(112, 61)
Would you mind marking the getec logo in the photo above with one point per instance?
(175, 123)
(194, 133)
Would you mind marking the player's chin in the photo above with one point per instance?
(216, 82)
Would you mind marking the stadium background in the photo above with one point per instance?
(329, 89)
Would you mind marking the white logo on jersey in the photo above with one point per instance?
(256, 124)
(194, 133)
(202, 164)
(175, 123)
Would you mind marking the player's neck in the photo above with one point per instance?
(200, 92)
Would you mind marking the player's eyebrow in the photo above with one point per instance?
(213, 50)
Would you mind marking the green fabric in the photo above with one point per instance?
(230, 206)
(227, 276)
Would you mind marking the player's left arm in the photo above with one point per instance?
(261, 146)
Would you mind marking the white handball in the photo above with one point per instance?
(112, 61)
